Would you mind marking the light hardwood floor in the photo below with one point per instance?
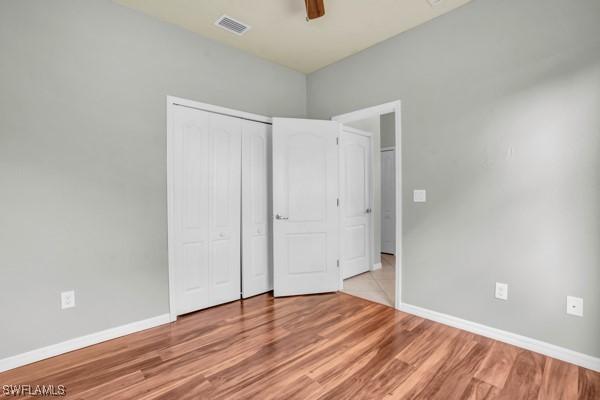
(332, 346)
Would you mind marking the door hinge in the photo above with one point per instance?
(337, 140)
(338, 263)
(338, 201)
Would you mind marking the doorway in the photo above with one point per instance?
(381, 282)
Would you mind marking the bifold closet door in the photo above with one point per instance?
(257, 260)
(206, 192)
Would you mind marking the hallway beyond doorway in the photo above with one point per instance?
(378, 285)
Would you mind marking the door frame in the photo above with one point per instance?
(383, 150)
(172, 103)
(371, 232)
(386, 108)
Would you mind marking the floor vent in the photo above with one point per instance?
(232, 25)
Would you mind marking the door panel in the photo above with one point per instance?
(306, 180)
(355, 197)
(257, 266)
(206, 208)
(191, 178)
(305, 190)
(388, 201)
(225, 134)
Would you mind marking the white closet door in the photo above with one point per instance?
(305, 191)
(206, 209)
(257, 265)
(388, 202)
(355, 201)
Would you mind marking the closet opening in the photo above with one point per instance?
(219, 205)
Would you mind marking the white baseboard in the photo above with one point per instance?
(376, 266)
(547, 349)
(81, 342)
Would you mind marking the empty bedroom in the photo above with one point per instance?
(300, 199)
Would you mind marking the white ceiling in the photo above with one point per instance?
(280, 32)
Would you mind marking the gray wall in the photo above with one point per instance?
(501, 125)
(82, 157)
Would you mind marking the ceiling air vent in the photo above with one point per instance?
(232, 25)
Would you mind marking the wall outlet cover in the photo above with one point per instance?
(501, 291)
(67, 299)
(575, 306)
(420, 196)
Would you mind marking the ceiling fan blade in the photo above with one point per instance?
(314, 8)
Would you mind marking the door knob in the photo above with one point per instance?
(368, 211)
(278, 216)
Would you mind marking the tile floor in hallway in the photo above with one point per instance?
(377, 286)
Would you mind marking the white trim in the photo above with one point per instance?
(386, 108)
(80, 342)
(170, 207)
(172, 102)
(365, 113)
(360, 132)
(391, 148)
(376, 266)
(547, 349)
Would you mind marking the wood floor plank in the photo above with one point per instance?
(588, 385)
(497, 365)
(479, 390)
(559, 381)
(332, 346)
(452, 379)
(525, 377)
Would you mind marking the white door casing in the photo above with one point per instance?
(206, 209)
(305, 192)
(355, 201)
(388, 202)
(257, 254)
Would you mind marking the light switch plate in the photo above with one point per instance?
(67, 299)
(420, 196)
(501, 291)
(575, 306)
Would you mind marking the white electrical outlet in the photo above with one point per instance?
(501, 291)
(67, 299)
(575, 306)
(420, 196)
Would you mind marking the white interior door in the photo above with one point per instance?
(257, 259)
(388, 201)
(305, 197)
(206, 209)
(355, 201)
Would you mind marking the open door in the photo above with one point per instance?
(355, 201)
(305, 206)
